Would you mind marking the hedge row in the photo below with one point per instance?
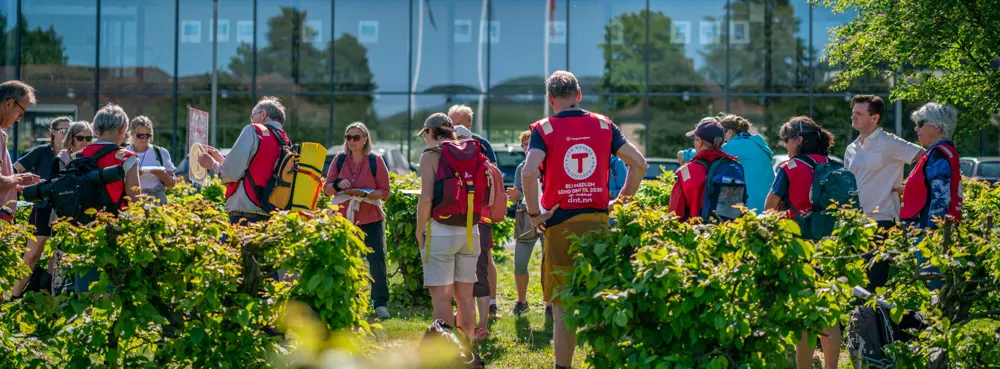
(656, 292)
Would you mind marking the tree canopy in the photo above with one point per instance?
(935, 50)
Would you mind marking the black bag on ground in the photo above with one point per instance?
(869, 332)
(440, 336)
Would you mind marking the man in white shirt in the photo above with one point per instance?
(877, 159)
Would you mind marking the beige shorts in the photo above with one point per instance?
(450, 260)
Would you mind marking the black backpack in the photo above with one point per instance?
(73, 193)
(372, 163)
(440, 336)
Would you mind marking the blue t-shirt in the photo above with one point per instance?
(490, 154)
(536, 142)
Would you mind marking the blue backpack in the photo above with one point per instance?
(725, 188)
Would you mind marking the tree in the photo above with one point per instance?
(40, 46)
(945, 51)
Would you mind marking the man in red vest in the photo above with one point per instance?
(688, 193)
(250, 163)
(573, 148)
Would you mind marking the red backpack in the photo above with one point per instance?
(462, 185)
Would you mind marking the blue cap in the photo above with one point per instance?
(708, 131)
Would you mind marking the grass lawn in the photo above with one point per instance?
(523, 342)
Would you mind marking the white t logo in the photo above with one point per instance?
(580, 162)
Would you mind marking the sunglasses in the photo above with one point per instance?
(921, 123)
(143, 136)
(61, 130)
(354, 137)
(83, 138)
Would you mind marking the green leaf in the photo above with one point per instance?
(314, 282)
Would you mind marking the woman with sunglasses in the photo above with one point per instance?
(808, 144)
(73, 137)
(360, 180)
(156, 170)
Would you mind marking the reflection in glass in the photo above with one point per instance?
(58, 44)
(293, 50)
(136, 55)
(8, 42)
(672, 117)
(33, 128)
(447, 54)
(194, 66)
(385, 115)
(687, 53)
(159, 108)
(373, 34)
(519, 63)
(607, 45)
(768, 43)
(233, 113)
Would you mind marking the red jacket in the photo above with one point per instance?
(689, 189)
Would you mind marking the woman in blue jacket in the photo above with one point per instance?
(755, 156)
(751, 151)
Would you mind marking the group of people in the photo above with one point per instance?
(578, 164)
(876, 159)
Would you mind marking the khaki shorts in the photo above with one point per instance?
(556, 257)
(450, 259)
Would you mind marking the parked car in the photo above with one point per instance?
(509, 156)
(659, 165)
(984, 168)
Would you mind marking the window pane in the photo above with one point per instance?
(34, 126)
(385, 116)
(8, 43)
(509, 115)
(607, 45)
(687, 51)
(59, 44)
(235, 46)
(159, 108)
(672, 117)
(516, 45)
(769, 41)
(233, 113)
(293, 45)
(372, 45)
(446, 47)
(136, 55)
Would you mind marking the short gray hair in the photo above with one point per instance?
(937, 115)
(562, 85)
(462, 109)
(273, 108)
(17, 90)
(110, 118)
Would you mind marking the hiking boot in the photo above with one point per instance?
(519, 308)
(382, 313)
(495, 312)
(548, 312)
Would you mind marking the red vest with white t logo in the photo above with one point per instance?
(800, 180)
(577, 160)
(915, 193)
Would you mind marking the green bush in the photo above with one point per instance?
(401, 239)
(173, 292)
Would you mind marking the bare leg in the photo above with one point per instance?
(483, 303)
(466, 310)
(441, 301)
(564, 341)
(831, 347)
(803, 353)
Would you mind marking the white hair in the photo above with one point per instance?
(110, 118)
(937, 115)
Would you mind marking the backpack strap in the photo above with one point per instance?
(340, 161)
(107, 149)
(159, 155)
(373, 164)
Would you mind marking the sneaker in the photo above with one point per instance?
(382, 313)
(519, 308)
(481, 334)
(495, 312)
(548, 312)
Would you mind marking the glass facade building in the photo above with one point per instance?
(654, 66)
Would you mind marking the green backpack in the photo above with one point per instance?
(832, 184)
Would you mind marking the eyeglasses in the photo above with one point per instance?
(254, 114)
(143, 136)
(61, 130)
(83, 138)
(353, 137)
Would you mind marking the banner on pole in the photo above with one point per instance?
(197, 136)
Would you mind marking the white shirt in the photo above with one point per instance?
(148, 180)
(877, 165)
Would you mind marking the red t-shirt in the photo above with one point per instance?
(115, 190)
(360, 176)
